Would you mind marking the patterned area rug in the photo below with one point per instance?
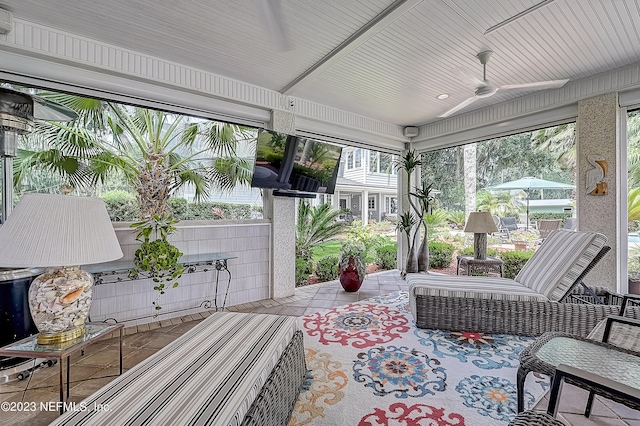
(372, 366)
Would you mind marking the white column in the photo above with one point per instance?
(365, 207)
(282, 212)
(597, 134)
(335, 199)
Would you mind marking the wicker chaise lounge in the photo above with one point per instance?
(534, 302)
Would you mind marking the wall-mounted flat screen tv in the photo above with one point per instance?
(295, 164)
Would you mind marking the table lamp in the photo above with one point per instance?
(60, 233)
(480, 223)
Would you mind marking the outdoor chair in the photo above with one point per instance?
(547, 226)
(503, 234)
(508, 224)
(536, 301)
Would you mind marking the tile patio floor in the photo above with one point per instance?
(99, 364)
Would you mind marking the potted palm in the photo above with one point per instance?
(352, 266)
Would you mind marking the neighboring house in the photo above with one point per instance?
(367, 185)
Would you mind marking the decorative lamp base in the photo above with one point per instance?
(65, 336)
(479, 245)
(60, 300)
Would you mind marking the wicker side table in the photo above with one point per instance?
(471, 266)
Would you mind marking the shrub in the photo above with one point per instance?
(513, 262)
(440, 254)
(386, 256)
(302, 271)
(535, 217)
(179, 207)
(327, 268)
(121, 205)
(468, 251)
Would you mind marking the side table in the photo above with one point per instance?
(29, 348)
(602, 359)
(471, 266)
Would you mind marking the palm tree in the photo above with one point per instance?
(156, 152)
(316, 225)
(560, 139)
(500, 204)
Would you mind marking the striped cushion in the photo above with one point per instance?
(209, 376)
(558, 262)
(469, 287)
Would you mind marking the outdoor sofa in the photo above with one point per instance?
(231, 369)
(538, 300)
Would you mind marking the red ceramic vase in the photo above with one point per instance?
(349, 278)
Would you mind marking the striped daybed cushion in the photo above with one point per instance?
(209, 376)
(559, 261)
(468, 287)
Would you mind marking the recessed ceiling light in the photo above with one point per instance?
(442, 96)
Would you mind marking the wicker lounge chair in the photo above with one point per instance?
(547, 226)
(536, 301)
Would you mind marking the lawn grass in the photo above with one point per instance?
(330, 248)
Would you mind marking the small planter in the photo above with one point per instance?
(634, 285)
(520, 245)
(349, 277)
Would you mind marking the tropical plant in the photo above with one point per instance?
(457, 218)
(156, 152)
(157, 257)
(499, 203)
(356, 251)
(316, 225)
(560, 140)
(406, 224)
(633, 204)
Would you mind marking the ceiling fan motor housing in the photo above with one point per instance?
(16, 118)
(485, 91)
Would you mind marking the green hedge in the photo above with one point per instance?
(440, 254)
(386, 256)
(327, 268)
(209, 210)
(122, 206)
(468, 251)
(534, 217)
(513, 262)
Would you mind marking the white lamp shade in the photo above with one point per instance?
(47, 230)
(480, 222)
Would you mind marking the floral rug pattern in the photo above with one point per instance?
(372, 367)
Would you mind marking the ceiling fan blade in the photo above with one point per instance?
(467, 76)
(273, 21)
(458, 107)
(539, 85)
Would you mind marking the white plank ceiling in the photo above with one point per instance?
(393, 72)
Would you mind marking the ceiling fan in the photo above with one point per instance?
(485, 89)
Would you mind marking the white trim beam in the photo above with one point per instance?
(386, 17)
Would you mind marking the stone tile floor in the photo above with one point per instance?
(99, 365)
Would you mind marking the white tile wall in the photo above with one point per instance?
(131, 301)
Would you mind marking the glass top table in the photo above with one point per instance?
(606, 362)
(601, 359)
(30, 348)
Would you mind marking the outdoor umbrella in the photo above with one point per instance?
(527, 184)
